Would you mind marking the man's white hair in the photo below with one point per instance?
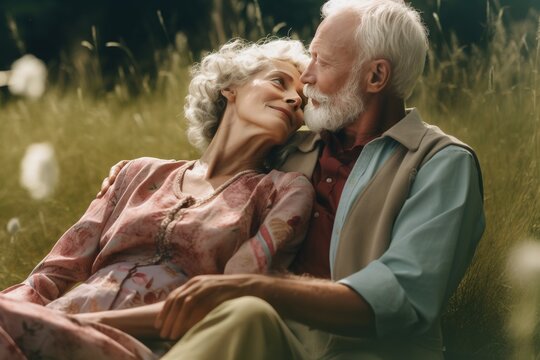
(388, 29)
(232, 65)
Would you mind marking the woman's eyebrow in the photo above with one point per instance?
(281, 72)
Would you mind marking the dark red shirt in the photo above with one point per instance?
(332, 170)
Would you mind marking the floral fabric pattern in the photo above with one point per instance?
(145, 237)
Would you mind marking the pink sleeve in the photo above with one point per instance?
(283, 229)
(70, 260)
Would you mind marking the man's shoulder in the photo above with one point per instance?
(282, 179)
(303, 140)
(431, 132)
(435, 132)
(416, 133)
(300, 153)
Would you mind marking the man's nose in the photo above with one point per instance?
(308, 77)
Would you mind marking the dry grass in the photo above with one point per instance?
(89, 135)
(490, 99)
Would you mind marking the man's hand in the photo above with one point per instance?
(109, 180)
(321, 304)
(191, 302)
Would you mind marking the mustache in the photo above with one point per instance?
(314, 94)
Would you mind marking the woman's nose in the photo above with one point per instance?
(295, 101)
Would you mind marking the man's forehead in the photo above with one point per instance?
(335, 33)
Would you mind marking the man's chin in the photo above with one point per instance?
(320, 124)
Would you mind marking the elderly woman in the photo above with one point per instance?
(163, 222)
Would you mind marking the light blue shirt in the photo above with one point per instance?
(433, 238)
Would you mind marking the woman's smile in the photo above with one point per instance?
(287, 113)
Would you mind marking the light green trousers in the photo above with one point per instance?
(243, 328)
(249, 328)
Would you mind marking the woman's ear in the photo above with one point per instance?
(379, 72)
(229, 94)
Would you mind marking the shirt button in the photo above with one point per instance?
(316, 214)
(328, 180)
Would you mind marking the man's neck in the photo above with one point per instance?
(381, 113)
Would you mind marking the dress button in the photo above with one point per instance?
(316, 214)
(328, 180)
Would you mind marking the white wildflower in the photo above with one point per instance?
(13, 226)
(524, 263)
(39, 170)
(28, 77)
(524, 274)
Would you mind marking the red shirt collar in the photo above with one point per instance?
(335, 148)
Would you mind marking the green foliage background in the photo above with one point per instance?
(486, 94)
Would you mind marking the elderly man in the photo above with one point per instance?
(398, 216)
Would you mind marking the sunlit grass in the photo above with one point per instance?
(489, 98)
(89, 135)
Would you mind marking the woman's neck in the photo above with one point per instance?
(236, 146)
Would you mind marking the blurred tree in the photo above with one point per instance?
(50, 27)
(53, 29)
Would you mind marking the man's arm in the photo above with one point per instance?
(433, 241)
(318, 303)
(321, 304)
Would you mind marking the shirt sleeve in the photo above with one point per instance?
(70, 260)
(283, 229)
(433, 241)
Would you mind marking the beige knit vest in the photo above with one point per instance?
(367, 229)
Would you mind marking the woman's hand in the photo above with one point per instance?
(94, 317)
(191, 302)
(109, 180)
(138, 321)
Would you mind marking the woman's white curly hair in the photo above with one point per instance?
(231, 65)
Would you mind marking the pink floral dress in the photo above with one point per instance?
(141, 240)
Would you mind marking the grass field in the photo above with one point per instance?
(489, 98)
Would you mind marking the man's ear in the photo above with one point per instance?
(378, 74)
(229, 94)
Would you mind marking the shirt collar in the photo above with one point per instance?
(332, 141)
(409, 131)
(304, 140)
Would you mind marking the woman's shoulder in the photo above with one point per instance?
(143, 169)
(286, 179)
(151, 164)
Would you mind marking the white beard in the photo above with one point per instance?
(334, 111)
